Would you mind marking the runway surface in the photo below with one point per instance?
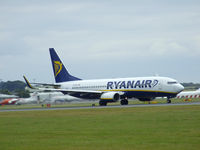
(99, 107)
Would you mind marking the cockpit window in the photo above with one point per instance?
(172, 82)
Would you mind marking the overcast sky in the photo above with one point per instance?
(100, 38)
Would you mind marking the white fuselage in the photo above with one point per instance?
(138, 87)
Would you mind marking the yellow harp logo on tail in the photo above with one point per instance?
(57, 67)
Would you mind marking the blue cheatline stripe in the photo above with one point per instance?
(125, 90)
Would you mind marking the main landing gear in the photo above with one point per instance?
(124, 101)
(102, 103)
(169, 100)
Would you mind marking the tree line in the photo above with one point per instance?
(14, 88)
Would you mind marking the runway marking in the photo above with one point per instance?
(99, 107)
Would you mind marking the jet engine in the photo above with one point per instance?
(110, 96)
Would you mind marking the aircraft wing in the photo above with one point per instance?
(70, 91)
(44, 84)
(76, 93)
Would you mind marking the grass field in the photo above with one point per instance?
(143, 128)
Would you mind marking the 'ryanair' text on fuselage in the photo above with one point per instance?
(131, 84)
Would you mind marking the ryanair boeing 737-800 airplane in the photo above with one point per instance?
(112, 90)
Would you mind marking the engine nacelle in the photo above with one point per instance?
(110, 96)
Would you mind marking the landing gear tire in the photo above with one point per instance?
(169, 101)
(102, 103)
(124, 102)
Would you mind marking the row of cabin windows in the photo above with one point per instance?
(89, 87)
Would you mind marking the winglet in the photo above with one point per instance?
(28, 84)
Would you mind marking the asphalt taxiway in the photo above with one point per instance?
(99, 107)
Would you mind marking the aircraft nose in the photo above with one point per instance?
(180, 88)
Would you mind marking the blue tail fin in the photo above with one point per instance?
(60, 72)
